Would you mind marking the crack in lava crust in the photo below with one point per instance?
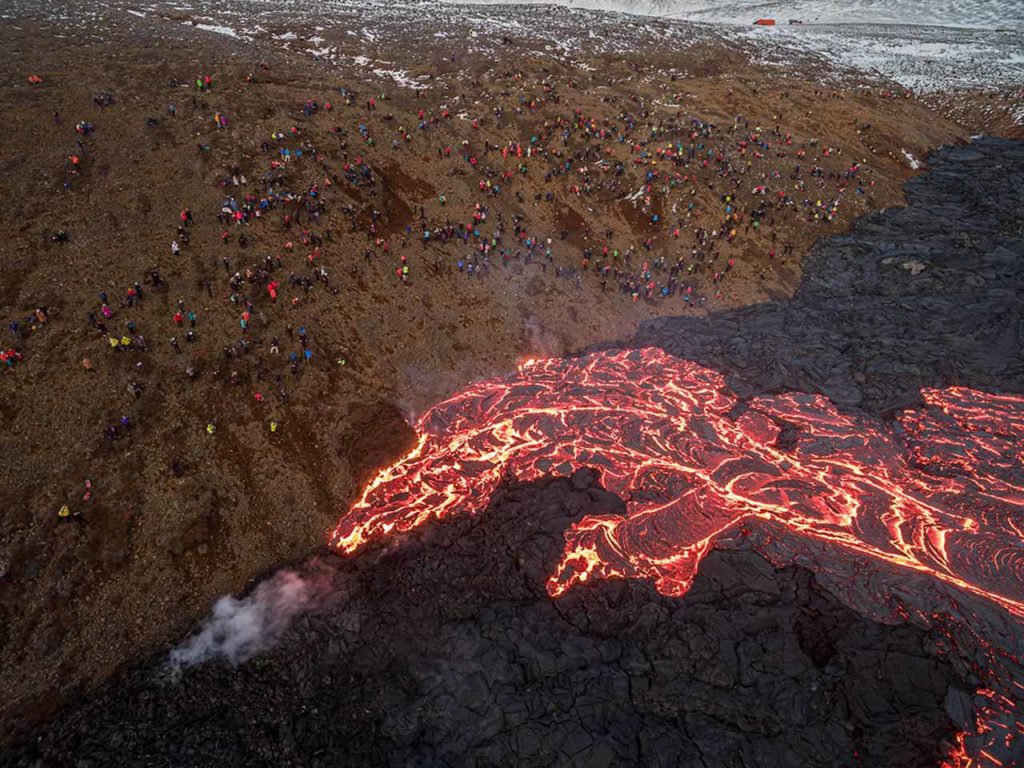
(939, 492)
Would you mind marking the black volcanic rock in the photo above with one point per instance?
(929, 295)
(447, 650)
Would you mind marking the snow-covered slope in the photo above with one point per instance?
(984, 14)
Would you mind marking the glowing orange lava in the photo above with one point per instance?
(939, 492)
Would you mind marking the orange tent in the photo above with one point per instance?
(35, 79)
(765, 22)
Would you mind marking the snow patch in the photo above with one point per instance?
(911, 160)
(400, 76)
(218, 29)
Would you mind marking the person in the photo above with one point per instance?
(9, 357)
(67, 515)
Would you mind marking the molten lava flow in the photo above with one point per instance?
(942, 494)
(939, 493)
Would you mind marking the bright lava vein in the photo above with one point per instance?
(939, 491)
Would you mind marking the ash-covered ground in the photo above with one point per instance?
(444, 648)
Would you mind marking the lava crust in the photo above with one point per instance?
(449, 651)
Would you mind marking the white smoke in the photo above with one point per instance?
(408, 412)
(238, 629)
(541, 341)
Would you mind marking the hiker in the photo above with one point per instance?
(67, 515)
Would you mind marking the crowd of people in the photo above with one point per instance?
(678, 204)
